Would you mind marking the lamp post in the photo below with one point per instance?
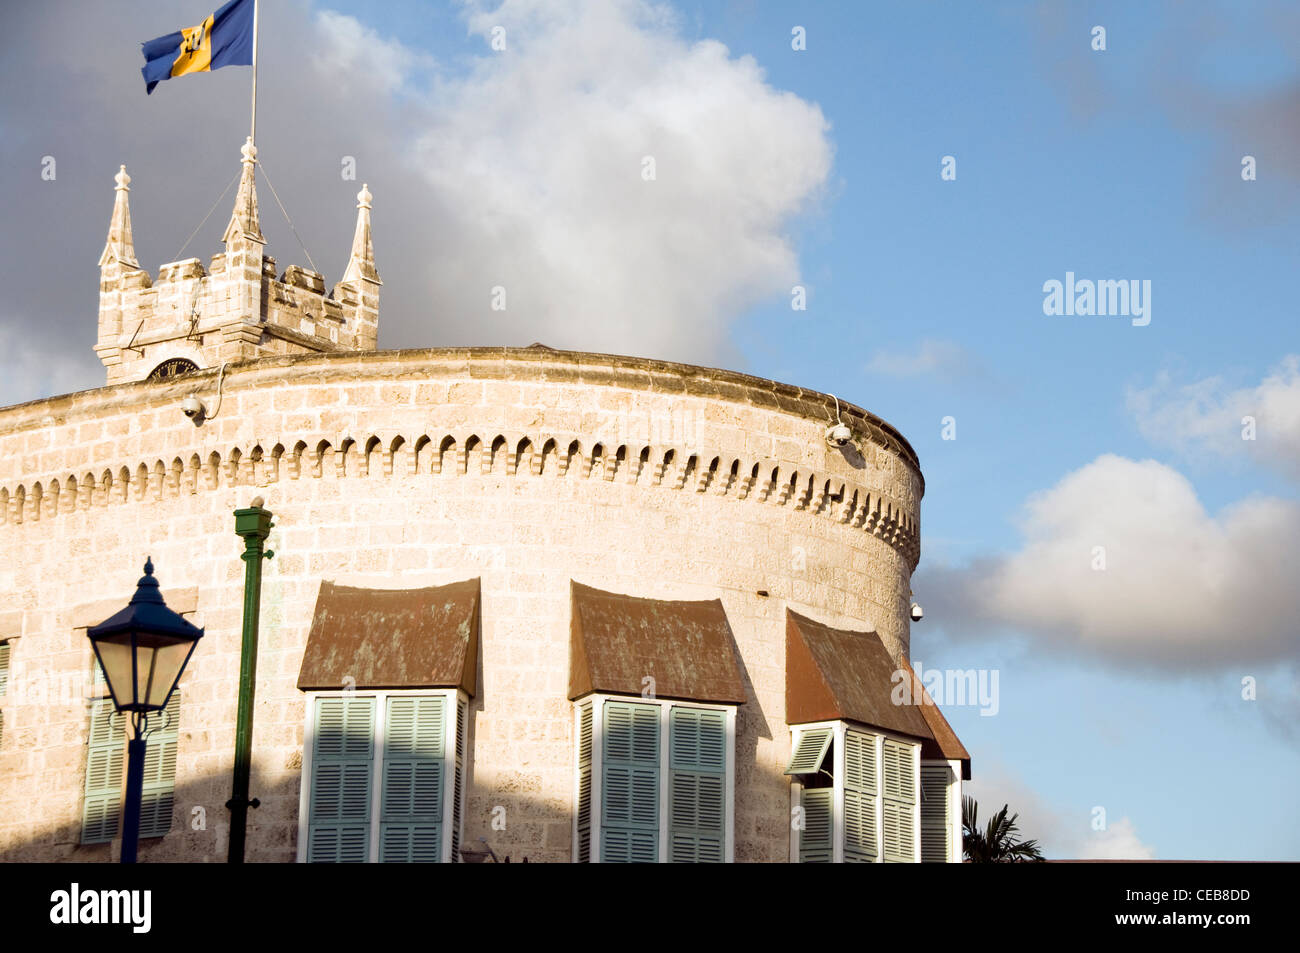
(253, 525)
(142, 650)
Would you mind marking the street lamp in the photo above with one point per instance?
(142, 650)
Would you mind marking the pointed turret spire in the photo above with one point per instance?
(120, 246)
(244, 220)
(361, 264)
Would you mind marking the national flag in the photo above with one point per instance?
(225, 38)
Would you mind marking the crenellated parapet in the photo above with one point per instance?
(238, 308)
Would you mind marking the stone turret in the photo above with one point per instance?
(120, 274)
(359, 289)
(235, 310)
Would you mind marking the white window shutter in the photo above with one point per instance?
(860, 797)
(461, 728)
(810, 750)
(936, 813)
(630, 784)
(105, 753)
(697, 785)
(899, 801)
(410, 829)
(160, 770)
(342, 767)
(815, 845)
(584, 782)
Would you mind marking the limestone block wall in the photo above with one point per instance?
(525, 467)
(195, 314)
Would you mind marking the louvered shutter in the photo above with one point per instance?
(810, 750)
(936, 819)
(697, 785)
(342, 766)
(860, 797)
(899, 800)
(160, 770)
(458, 781)
(584, 783)
(815, 838)
(411, 821)
(630, 784)
(4, 681)
(105, 752)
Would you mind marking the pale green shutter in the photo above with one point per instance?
(584, 783)
(936, 821)
(4, 680)
(341, 769)
(860, 797)
(458, 782)
(697, 785)
(105, 752)
(160, 769)
(810, 750)
(629, 830)
(411, 822)
(899, 800)
(815, 838)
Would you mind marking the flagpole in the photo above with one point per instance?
(252, 134)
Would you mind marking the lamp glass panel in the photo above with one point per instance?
(165, 664)
(116, 656)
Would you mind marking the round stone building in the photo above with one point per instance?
(549, 605)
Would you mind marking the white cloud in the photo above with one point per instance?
(932, 356)
(536, 158)
(1119, 841)
(1205, 417)
(1059, 834)
(351, 49)
(1181, 589)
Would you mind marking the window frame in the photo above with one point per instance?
(455, 729)
(841, 730)
(597, 700)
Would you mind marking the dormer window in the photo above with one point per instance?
(873, 779)
(657, 691)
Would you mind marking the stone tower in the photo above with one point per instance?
(236, 310)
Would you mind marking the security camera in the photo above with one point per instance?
(839, 436)
(917, 613)
(192, 407)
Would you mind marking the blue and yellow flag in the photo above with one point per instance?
(225, 38)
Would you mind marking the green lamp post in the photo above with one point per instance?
(253, 525)
(142, 650)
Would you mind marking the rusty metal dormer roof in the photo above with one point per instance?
(617, 641)
(393, 638)
(841, 675)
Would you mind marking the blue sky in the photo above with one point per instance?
(1119, 688)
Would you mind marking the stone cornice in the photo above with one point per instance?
(826, 489)
(496, 363)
